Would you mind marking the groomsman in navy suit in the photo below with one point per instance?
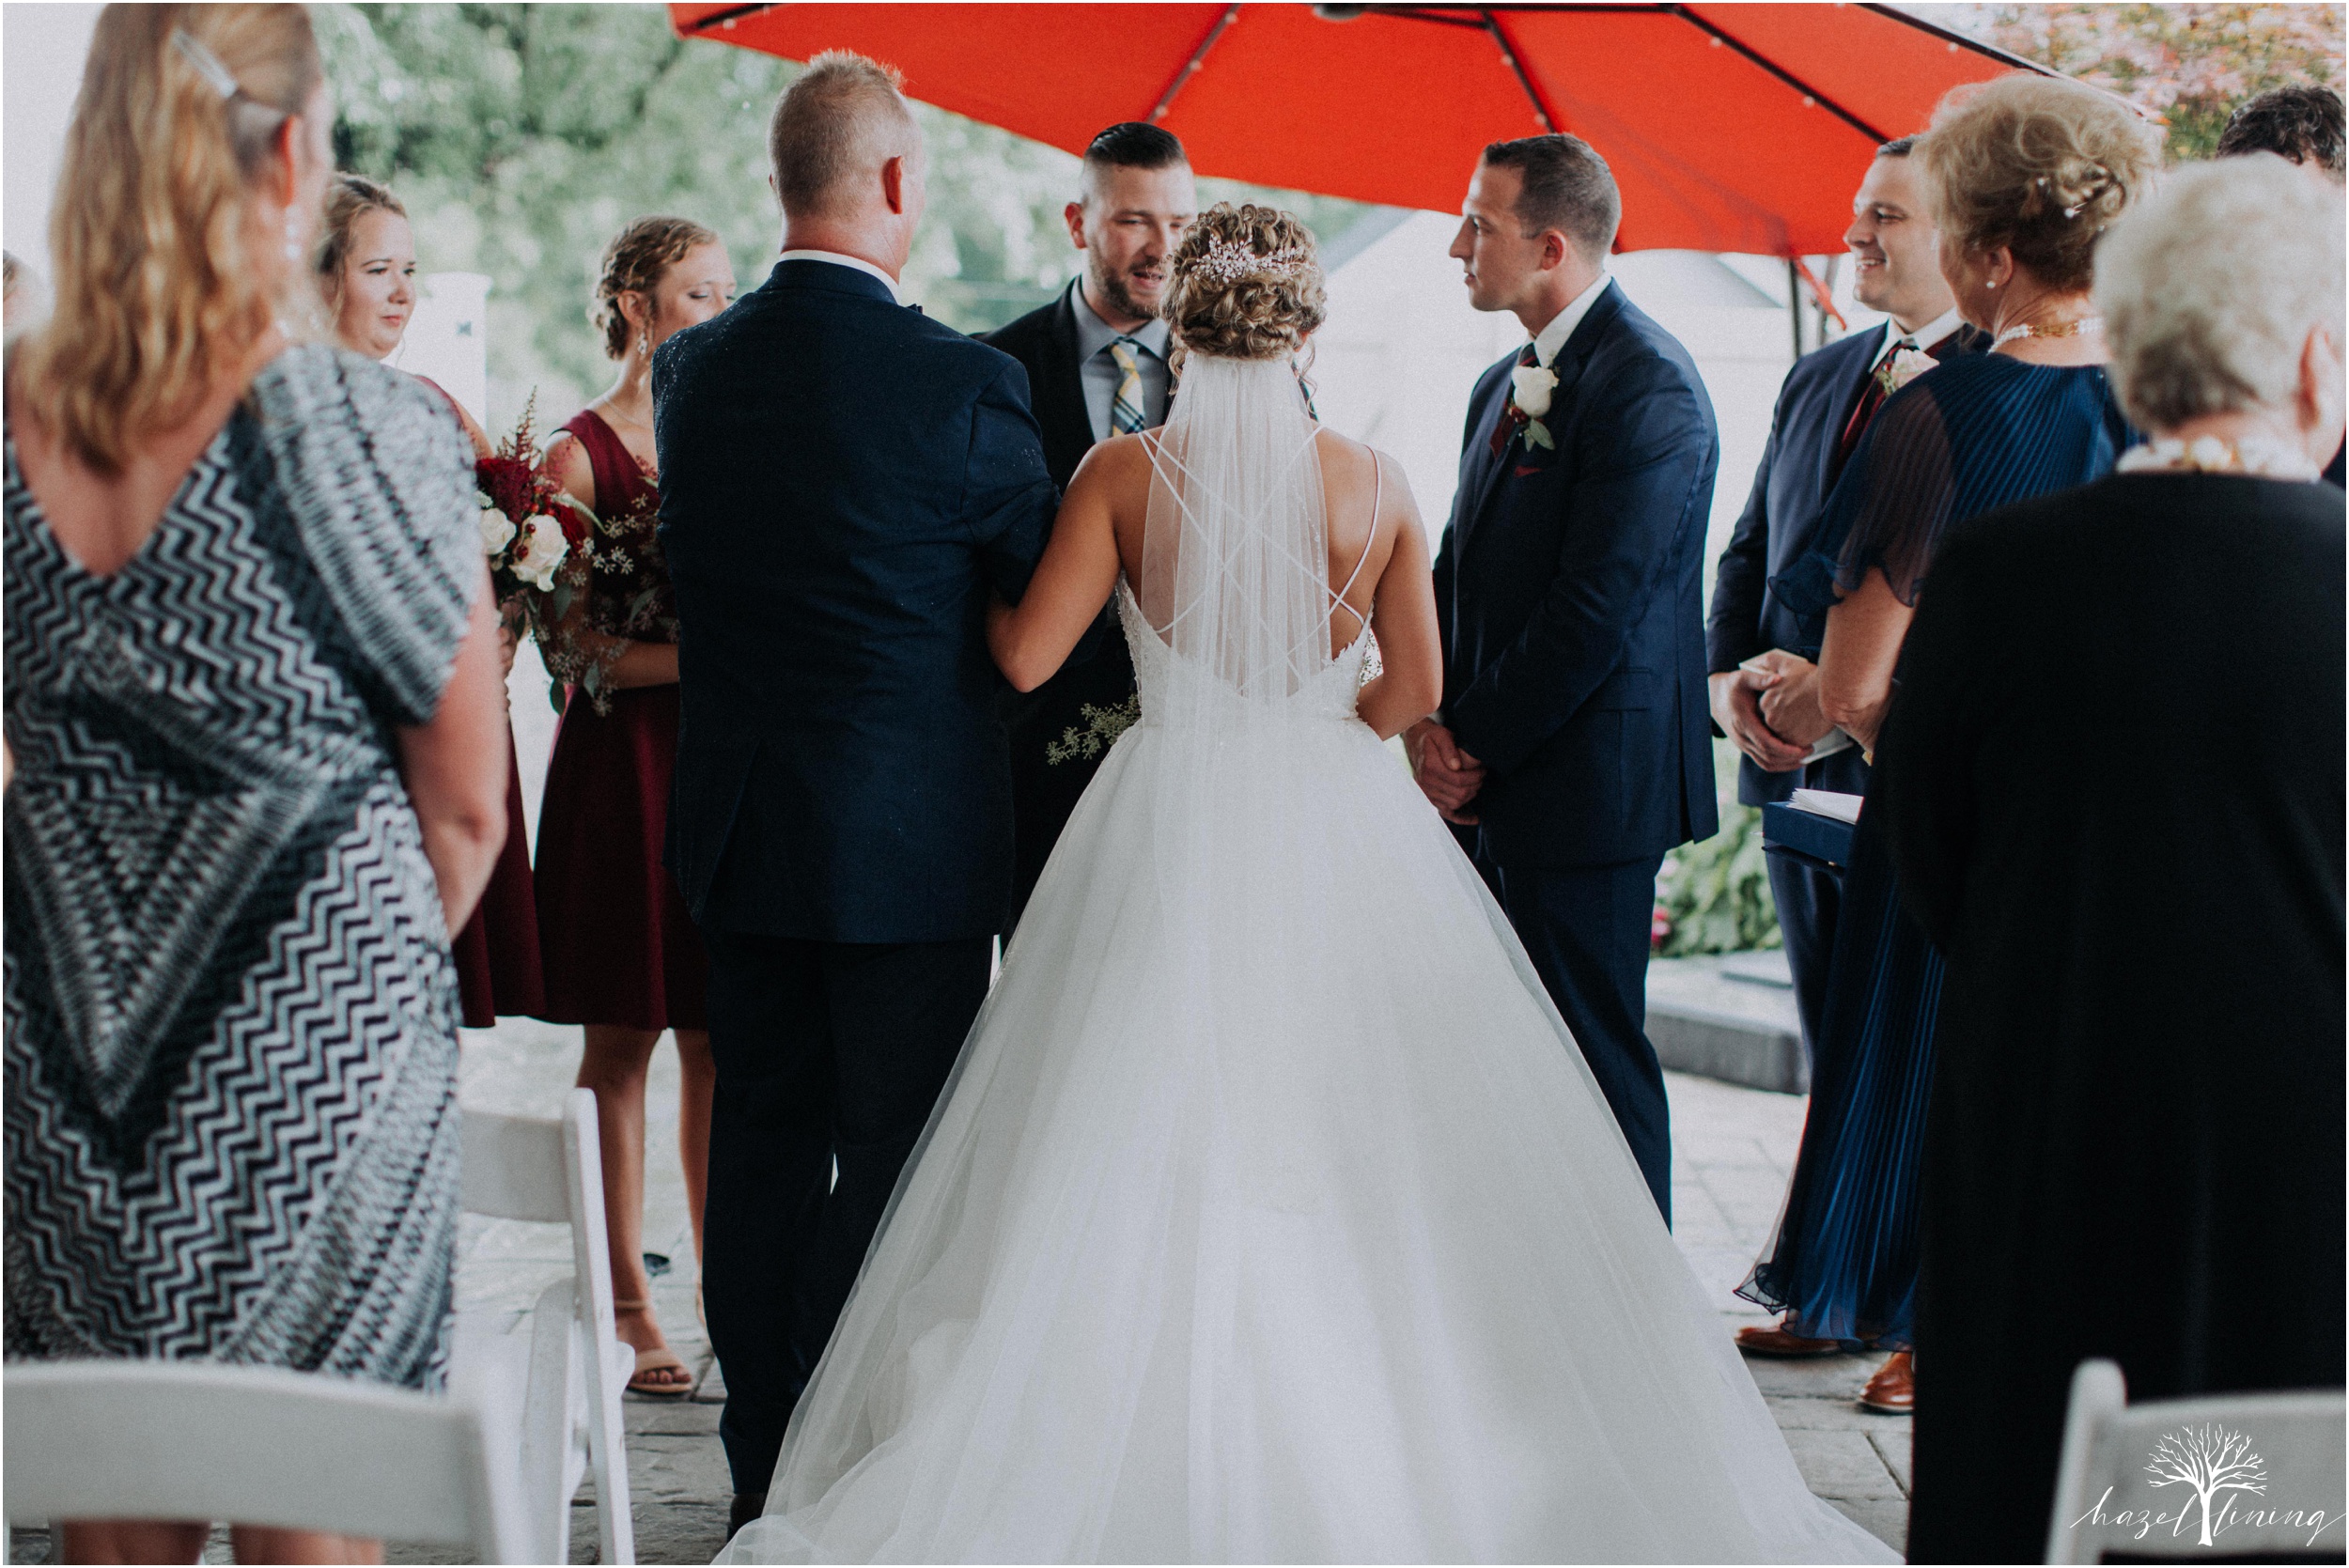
(1571, 748)
(1764, 680)
(1098, 367)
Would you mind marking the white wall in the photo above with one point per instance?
(1394, 365)
(41, 50)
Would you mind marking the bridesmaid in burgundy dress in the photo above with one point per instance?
(620, 953)
(368, 272)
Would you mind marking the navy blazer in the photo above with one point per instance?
(1570, 590)
(843, 483)
(1779, 524)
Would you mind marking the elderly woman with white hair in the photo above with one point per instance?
(2136, 1142)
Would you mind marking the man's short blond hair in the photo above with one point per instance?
(843, 117)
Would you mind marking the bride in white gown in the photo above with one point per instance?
(1270, 1212)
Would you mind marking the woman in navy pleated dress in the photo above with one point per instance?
(2024, 173)
(366, 267)
(619, 950)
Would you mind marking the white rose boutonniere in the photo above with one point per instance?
(1530, 386)
(1905, 366)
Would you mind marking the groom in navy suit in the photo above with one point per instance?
(844, 486)
(1571, 749)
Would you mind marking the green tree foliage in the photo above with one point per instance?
(523, 136)
(2191, 64)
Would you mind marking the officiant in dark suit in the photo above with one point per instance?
(844, 485)
(1098, 367)
(1572, 745)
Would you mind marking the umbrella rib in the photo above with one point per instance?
(1809, 93)
(728, 17)
(1509, 57)
(1191, 67)
(1959, 41)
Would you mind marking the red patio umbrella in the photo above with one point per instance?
(1729, 127)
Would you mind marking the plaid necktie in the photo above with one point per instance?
(1125, 415)
(1871, 398)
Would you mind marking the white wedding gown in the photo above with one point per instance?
(1271, 1214)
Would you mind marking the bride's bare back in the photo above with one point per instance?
(1376, 545)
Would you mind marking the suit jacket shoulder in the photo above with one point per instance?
(1043, 341)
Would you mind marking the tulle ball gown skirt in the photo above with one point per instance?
(1271, 1215)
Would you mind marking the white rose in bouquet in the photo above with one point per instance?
(541, 552)
(497, 530)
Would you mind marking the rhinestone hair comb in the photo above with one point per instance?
(1226, 261)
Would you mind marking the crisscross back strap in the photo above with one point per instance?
(1378, 494)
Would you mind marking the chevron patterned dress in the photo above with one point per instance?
(230, 1063)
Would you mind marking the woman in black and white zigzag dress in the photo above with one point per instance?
(253, 699)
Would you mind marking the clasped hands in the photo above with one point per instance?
(1447, 775)
(1769, 707)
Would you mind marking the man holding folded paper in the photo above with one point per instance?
(1765, 681)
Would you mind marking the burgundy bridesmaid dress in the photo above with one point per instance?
(497, 952)
(616, 944)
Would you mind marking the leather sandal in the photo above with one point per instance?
(651, 1361)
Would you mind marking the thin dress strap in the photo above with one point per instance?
(1378, 494)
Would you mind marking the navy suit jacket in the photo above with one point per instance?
(843, 484)
(1570, 590)
(1778, 528)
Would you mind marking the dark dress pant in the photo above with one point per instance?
(1587, 929)
(826, 1052)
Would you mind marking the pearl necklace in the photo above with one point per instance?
(2031, 329)
(2257, 457)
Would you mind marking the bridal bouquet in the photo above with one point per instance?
(529, 529)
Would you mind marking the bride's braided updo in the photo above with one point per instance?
(1245, 283)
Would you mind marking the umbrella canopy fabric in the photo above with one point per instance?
(1729, 127)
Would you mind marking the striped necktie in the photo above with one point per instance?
(1125, 415)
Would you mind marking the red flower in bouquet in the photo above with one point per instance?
(529, 528)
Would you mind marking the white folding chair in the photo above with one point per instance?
(257, 1446)
(2265, 1471)
(567, 1356)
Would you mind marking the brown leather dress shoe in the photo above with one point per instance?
(1756, 1341)
(1892, 1392)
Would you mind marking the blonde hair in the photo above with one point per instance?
(2210, 289)
(833, 123)
(2039, 164)
(634, 262)
(1228, 308)
(154, 292)
(349, 198)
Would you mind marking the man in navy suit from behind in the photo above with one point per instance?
(1762, 658)
(1571, 749)
(844, 485)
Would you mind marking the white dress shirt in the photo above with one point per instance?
(1926, 336)
(1553, 338)
(1097, 372)
(839, 260)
